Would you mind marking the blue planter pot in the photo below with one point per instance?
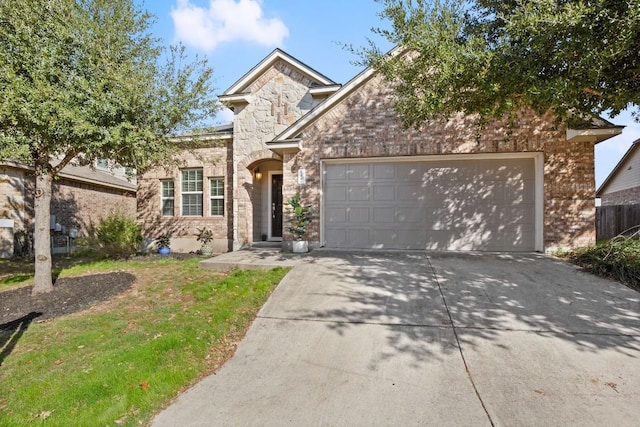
(164, 250)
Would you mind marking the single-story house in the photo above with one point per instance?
(371, 183)
(81, 196)
(622, 186)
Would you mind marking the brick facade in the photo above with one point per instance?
(81, 205)
(629, 196)
(215, 161)
(365, 124)
(362, 124)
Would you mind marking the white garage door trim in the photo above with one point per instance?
(537, 157)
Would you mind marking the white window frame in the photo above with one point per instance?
(216, 197)
(164, 198)
(196, 190)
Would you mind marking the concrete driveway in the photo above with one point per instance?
(416, 339)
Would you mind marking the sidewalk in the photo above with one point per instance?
(253, 259)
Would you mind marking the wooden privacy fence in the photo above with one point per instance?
(613, 220)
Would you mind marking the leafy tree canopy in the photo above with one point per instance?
(83, 79)
(577, 58)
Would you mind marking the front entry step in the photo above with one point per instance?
(276, 245)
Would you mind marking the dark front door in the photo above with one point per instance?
(276, 205)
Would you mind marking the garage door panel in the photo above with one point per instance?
(358, 193)
(358, 171)
(384, 171)
(358, 237)
(384, 215)
(336, 215)
(384, 193)
(338, 237)
(336, 172)
(410, 192)
(336, 193)
(409, 215)
(410, 172)
(471, 204)
(358, 215)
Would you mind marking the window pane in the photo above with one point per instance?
(191, 180)
(217, 187)
(167, 188)
(217, 206)
(167, 207)
(192, 204)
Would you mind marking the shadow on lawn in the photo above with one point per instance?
(11, 332)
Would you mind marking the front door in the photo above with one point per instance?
(276, 205)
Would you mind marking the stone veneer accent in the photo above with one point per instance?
(277, 99)
(365, 124)
(629, 196)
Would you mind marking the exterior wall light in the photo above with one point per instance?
(258, 174)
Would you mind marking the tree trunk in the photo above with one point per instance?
(42, 235)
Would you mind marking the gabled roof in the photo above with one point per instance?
(216, 133)
(285, 138)
(619, 167)
(598, 131)
(86, 174)
(289, 142)
(237, 91)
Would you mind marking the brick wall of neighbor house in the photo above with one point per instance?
(12, 195)
(215, 161)
(365, 124)
(81, 205)
(75, 204)
(11, 207)
(629, 196)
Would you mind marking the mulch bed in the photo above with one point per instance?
(70, 295)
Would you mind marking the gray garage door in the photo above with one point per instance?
(483, 204)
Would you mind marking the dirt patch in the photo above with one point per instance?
(70, 295)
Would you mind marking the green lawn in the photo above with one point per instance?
(122, 361)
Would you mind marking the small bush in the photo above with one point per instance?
(119, 235)
(618, 259)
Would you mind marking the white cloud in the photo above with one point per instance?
(226, 21)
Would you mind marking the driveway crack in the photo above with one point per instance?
(455, 334)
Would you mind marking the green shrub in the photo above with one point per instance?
(618, 258)
(118, 234)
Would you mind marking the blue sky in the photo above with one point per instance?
(236, 34)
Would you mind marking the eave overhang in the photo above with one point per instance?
(287, 146)
(595, 135)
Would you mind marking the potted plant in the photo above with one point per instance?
(163, 242)
(298, 225)
(205, 236)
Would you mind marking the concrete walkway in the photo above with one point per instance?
(415, 339)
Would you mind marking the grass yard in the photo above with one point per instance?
(123, 360)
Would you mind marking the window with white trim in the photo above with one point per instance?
(191, 192)
(216, 199)
(167, 197)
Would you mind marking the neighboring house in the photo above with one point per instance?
(81, 196)
(371, 183)
(622, 186)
